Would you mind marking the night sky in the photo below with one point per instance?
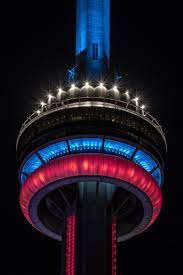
(37, 46)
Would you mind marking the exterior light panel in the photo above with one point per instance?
(144, 161)
(119, 148)
(54, 150)
(23, 177)
(32, 164)
(157, 175)
(85, 144)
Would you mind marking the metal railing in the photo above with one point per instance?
(92, 102)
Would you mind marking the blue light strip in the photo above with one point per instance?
(32, 164)
(157, 175)
(85, 144)
(23, 178)
(53, 151)
(119, 148)
(144, 161)
(91, 145)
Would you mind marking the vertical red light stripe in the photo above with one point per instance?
(70, 245)
(114, 247)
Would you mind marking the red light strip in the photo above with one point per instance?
(70, 245)
(114, 247)
(91, 165)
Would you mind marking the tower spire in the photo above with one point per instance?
(93, 36)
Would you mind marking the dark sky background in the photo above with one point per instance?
(37, 45)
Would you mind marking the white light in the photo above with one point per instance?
(127, 93)
(101, 85)
(73, 86)
(42, 104)
(38, 112)
(59, 91)
(136, 99)
(143, 107)
(50, 96)
(115, 88)
(87, 84)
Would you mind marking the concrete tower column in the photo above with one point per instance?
(93, 35)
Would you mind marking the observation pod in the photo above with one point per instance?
(91, 171)
(91, 164)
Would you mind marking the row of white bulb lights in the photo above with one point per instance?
(87, 85)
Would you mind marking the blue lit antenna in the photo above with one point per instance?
(93, 36)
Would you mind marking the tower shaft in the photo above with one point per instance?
(90, 234)
(93, 36)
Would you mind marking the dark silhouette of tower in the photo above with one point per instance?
(91, 158)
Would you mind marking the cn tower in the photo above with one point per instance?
(91, 159)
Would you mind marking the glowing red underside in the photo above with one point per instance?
(91, 165)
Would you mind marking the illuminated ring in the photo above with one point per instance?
(90, 165)
(37, 198)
